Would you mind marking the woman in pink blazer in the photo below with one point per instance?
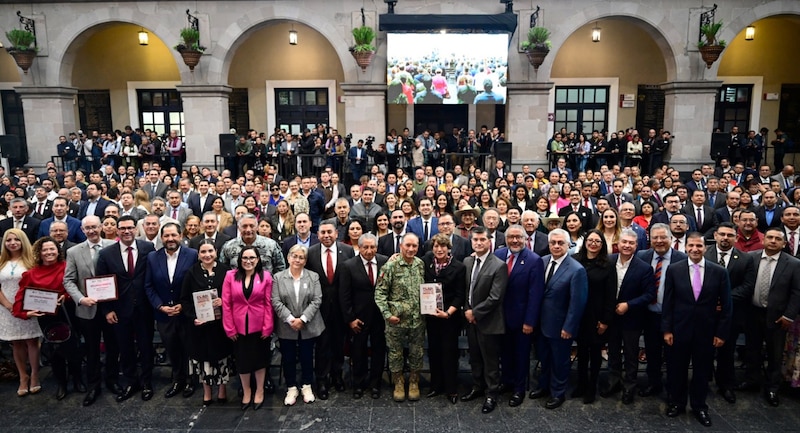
(247, 319)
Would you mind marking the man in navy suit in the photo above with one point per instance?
(95, 203)
(672, 206)
(693, 291)
(163, 282)
(358, 159)
(304, 237)
(461, 247)
(561, 168)
(20, 220)
(565, 293)
(425, 226)
(60, 208)
(131, 314)
(201, 203)
(521, 307)
(635, 291)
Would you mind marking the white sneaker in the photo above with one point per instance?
(308, 394)
(291, 396)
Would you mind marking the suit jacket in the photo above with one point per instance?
(160, 290)
(387, 243)
(194, 204)
(540, 244)
(624, 197)
(461, 247)
(136, 212)
(47, 209)
(761, 214)
(709, 219)
(522, 304)
(663, 217)
(156, 243)
(291, 241)
(181, 214)
(74, 232)
(638, 289)
(585, 214)
(161, 190)
(564, 299)
(357, 293)
(330, 292)
(99, 210)
(131, 289)
(30, 226)
(231, 231)
(79, 267)
(74, 210)
(689, 319)
(416, 226)
(285, 304)
(452, 277)
(488, 291)
(691, 185)
(219, 241)
(722, 215)
(499, 239)
(719, 199)
(256, 310)
(784, 289)
(742, 272)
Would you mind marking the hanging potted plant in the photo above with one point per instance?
(710, 47)
(190, 47)
(363, 51)
(537, 46)
(22, 48)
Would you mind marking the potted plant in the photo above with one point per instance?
(710, 47)
(537, 46)
(22, 48)
(190, 47)
(363, 50)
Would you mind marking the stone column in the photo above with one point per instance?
(364, 109)
(205, 110)
(49, 112)
(689, 116)
(526, 122)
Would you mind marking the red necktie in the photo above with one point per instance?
(618, 202)
(329, 265)
(174, 213)
(791, 243)
(371, 275)
(131, 267)
(677, 243)
(40, 211)
(657, 275)
(586, 202)
(530, 244)
(510, 263)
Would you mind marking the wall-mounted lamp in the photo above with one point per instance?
(144, 38)
(596, 33)
(292, 36)
(750, 33)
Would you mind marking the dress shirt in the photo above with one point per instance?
(324, 257)
(90, 208)
(172, 263)
(479, 262)
(306, 243)
(726, 259)
(124, 254)
(370, 264)
(296, 285)
(558, 262)
(622, 269)
(702, 264)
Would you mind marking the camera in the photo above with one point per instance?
(348, 139)
(368, 142)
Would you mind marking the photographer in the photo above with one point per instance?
(358, 160)
(378, 155)
(244, 149)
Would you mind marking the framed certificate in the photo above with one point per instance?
(203, 305)
(430, 298)
(43, 300)
(102, 288)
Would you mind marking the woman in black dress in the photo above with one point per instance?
(209, 348)
(599, 312)
(444, 326)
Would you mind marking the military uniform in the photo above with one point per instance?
(268, 250)
(397, 294)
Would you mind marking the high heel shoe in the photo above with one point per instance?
(246, 405)
(22, 392)
(35, 389)
(257, 406)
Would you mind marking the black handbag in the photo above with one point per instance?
(59, 336)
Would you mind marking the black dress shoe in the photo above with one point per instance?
(772, 398)
(453, 398)
(78, 385)
(174, 390)
(322, 391)
(61, 392)
(147, 392)
(611, 391)
(589, 397)
(257, 406)
(91, 396)
(269, 385)
(488, 405)
(472, 394)
(114, 388)
(126, 393)
(674, 410)
(516, 399)
(650, 390)
(747, 386)
(627, 397)
(703, 418)
(188, 391)
(338, 384)
(728, 395)
(375, 393)
(538, 393)
(554, 402)
(358, 393)
(433, 393)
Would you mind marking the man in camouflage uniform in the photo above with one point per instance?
(268, 249)
(397, 297)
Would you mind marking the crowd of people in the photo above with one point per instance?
(551, 258)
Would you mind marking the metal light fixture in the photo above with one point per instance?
(596, 33)
(144, 38)
(292, 36)
(750, 33)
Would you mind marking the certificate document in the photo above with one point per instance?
(102, 288)
(43, 300)
(203, 307)
(430, 298)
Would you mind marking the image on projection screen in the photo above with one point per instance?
(446, 68)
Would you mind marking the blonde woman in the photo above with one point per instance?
(282, 222)
(141, 200)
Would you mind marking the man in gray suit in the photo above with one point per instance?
(175, 210)
(487, 279)
(81, 265)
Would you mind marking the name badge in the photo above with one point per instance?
(305, 286)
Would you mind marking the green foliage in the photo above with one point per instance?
(709, 32)
(363, 37)
(21, 40)
(538, 38)
(190, 40)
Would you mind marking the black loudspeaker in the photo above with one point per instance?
(719, 145)
(227, 145)
(10, 147)
(502, 151)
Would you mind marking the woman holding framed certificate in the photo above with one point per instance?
(54, 315)
(16, 258)
(209, 348)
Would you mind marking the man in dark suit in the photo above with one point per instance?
(714, 197)
(389, 243)
(775, 304)
(584, 213)
(425, 226)
(617, 197)
(209, 224)
(693, 327)
(635, 292)
(658, 257)
(75, 234)
(702, 213)
(155, 188)
(741, 272)
(535, 240)
(358, 160)
(357, 299)
(521, 307)
(325, 259)
(698, 182)
(499, 171)
(163, 288)
(20, 220)
(95, 203)
(302, 225)
(131, 315)
(723, 214)
(461, 247)
(672, 206)
(491, 220)
(487, 279)
(791, 226)
(41, 206)
(201, 203)
(769, 213)
(565, 293)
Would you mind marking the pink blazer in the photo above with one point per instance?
(235, 307)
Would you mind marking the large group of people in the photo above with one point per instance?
(542, 259)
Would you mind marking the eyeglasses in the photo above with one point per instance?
(274, 189)
(594, 241)
(249, 259)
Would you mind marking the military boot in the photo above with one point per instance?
(413, 386)
(399, 393)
